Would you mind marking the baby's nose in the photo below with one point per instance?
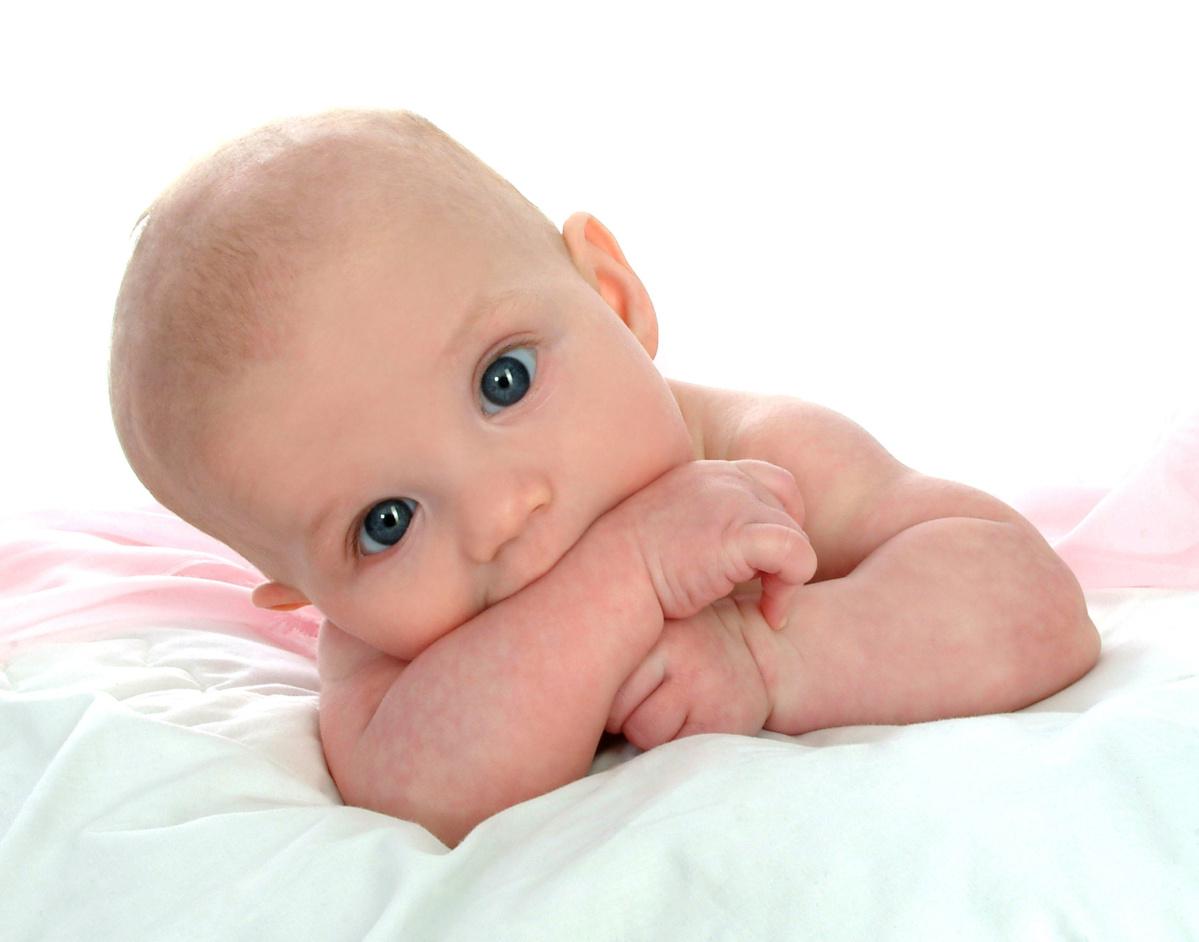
(498, 510)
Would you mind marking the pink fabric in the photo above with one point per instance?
(77, 574)
(1143, 532)
(71, 574)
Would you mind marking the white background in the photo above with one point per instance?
(973, 228)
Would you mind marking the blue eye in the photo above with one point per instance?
(385, 524)
(507, 379)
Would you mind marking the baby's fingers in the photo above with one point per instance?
(779, 549)
(779, 482)
(785, 559)
(776, 601)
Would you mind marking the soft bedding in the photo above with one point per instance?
(161, 774)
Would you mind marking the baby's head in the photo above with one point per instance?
(351, 351)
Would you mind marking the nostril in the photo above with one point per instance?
(495, 516)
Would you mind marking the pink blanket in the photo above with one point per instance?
(71, 575)
(1143, 532)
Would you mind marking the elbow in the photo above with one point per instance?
(394, 772)
(413, 780)
(1052, 641)
(1092, 646)
(437, 815)
(1078, 636)
(1068, 643)
(447, 814)
(1081, 643)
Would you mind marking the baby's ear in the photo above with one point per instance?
(277, 596)
(598, 258)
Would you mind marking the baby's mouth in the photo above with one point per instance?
(500, 595)
(493, 594)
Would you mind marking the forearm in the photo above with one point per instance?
(511, 704)
(951, 617)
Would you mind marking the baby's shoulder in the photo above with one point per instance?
(724, 422)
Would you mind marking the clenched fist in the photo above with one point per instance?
(705, 526)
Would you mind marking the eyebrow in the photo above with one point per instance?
(482, 306)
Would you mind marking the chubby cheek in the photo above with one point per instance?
(400, 617)
(613, 425)
(644, 437)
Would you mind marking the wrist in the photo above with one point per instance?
(609, 557)
(762, 642)
(788, 660)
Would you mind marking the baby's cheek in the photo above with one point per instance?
(411, 627)
(367, 623)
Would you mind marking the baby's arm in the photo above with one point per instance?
(512, 703)
(507, 706)
(955, 616)
(933, 599)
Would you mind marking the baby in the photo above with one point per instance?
(348, 349)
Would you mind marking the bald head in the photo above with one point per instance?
(206, 291)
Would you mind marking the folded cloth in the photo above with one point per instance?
(82, 574)
(1142, 532)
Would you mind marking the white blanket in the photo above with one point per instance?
(166, 782)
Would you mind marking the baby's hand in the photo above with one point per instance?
(705, 526)
(699, 678)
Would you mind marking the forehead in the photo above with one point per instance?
(428, 265)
